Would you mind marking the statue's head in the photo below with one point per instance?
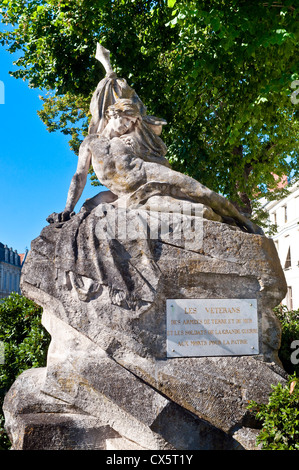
(124, 107)
(123, 115)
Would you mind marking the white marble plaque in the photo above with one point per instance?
(212, 327)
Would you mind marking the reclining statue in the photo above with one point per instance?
(128, 158)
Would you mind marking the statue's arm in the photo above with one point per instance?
(77, 185)
(79, 179)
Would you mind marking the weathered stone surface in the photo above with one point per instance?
(104, 303)
(36, 421)
(119, 285)
(98, 405)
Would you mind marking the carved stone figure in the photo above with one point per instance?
(128, 158)
(109, 383)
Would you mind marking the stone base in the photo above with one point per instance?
(108, 383)
(86, 400)
(46, 423)
(36, 421)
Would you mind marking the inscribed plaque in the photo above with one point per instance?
(212, 327)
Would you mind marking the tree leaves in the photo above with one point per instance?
(25, 344)
(219, 72)
(246, 87)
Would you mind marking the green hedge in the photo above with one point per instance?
(25, 345)
(280, 416)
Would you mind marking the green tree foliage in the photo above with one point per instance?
(241, 58)
(25, 344)
(220, 72)
(57, 40)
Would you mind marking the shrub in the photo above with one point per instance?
(25, 345)
(280, 417)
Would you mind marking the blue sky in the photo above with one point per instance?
(36, 166)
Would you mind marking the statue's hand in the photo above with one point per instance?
(60, 217)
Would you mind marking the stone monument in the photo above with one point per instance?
(158, 297)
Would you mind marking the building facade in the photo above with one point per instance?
(285, 214)
(10, 270)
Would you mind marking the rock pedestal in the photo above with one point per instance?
(103, 282)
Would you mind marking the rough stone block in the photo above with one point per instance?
(107, 375)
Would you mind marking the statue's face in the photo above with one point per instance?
(121, 124)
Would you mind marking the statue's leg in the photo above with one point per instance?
(186, 186)
(225, 208)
